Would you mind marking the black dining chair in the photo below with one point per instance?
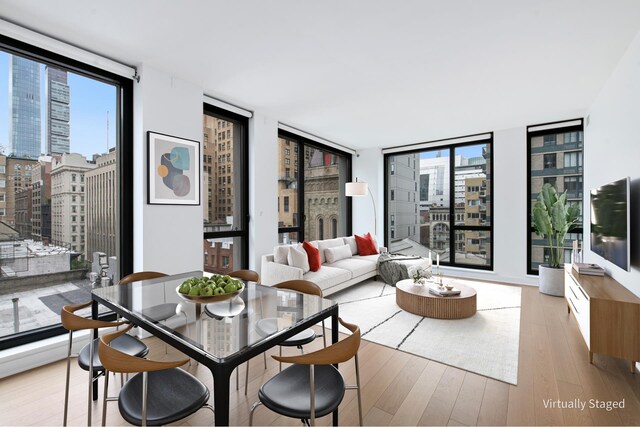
(312, 387)
(268, 326)
(160, 393)
(125, 343)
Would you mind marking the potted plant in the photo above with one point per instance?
(553, 219)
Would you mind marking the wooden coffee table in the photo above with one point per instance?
(416, 299)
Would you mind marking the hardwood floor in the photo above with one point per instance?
(398, 388)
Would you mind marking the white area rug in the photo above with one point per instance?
(486, 343)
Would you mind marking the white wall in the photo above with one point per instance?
(612, 151)
(263, 188)
(166, 238)
(509, 207)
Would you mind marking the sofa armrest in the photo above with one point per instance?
(273, 273)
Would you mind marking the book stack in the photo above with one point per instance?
(589, 269)
(442, 291)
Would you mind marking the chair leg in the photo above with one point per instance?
(66, 387)
(312, 394)
(253, 408)
(246, 379)
(90, 393)
(145, 382)
(280, 356)
(237, 378)
(104, 398)
(264, 356)
(358, 385)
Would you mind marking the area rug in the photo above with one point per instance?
(486, 343)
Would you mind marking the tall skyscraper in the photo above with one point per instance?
(24, 107)
(57, 111)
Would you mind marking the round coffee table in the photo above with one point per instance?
(416, 299)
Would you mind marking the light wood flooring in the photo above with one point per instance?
(398, 388)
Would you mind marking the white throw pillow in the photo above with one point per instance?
(280, 254)
(337, 253)
(298, 258)
(329, 243)
(351, 241)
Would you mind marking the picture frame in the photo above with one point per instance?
(173, 175)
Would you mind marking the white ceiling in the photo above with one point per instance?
(365, 73)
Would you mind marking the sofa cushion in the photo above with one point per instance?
(280, 254)
(313, 255)
(368, 258)
(366, 245)
(327, 276)
(329, 243)
(336, 254)
(351, 241)
(298, 258)
(357, 267)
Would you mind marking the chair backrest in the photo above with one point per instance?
(141, 275)
(248, 275)
(73, 322)
(117, 361)
(339, 352)
(303, 286)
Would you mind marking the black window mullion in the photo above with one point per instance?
(452, 206)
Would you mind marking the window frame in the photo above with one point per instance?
(124, 162)
(243, 234)
(552, 128)
(303, 142)
(443, 145)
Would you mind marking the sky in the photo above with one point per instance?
(90, 100)
(467, 151)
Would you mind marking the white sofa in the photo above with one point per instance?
(330, 277)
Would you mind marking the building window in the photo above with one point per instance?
(549, 140)
(567, 177)
(319, 172)
(286, 204)
(334, 228)
(549, 161)
(225, 230)
(453, 184)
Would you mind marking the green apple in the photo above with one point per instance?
(184, 288)
(230, 288)
(207, 291)
(218, 291)
(194, 291)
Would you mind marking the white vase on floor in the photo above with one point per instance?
(551, 280)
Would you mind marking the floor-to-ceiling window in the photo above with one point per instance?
(311, 190)
(65, 212)
(554, 157)
(439, 199)
(226, 190)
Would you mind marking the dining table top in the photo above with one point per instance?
(222, 329)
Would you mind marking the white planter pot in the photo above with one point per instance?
(551, 281)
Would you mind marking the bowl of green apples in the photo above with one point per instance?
(204, 290)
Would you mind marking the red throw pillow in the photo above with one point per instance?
(313, 254)
(366, 245)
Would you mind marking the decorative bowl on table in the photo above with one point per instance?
(206, 290)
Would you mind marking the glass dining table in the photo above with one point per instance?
(224, 334)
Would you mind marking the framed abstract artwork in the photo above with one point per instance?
(174, 170)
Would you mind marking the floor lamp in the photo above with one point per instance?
(361, 188)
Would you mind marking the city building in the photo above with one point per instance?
(24, 204)
(100, 198)
(322, 194)
(404, 194)
(41, 202)
(24, 108)
(58, 98)
(17, 176)
(434, 181)
(218, 256)
(218, 172)
(67, 201)
(288, 155)
(556, 159)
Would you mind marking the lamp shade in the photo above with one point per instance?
(356, 188)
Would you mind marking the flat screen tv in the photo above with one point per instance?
(610, 222)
